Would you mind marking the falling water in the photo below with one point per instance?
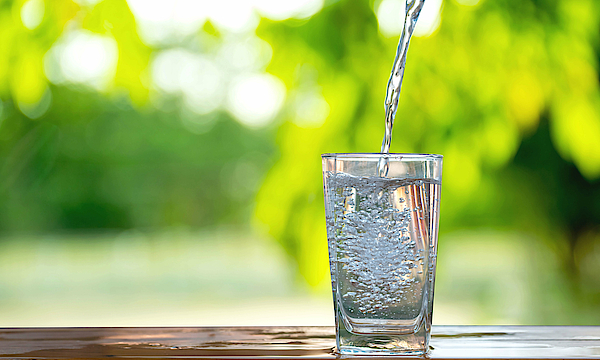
(413, 9)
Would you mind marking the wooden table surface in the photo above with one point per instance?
(448, 342)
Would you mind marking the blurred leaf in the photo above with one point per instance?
(114, 17)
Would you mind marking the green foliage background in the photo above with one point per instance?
(507, 91)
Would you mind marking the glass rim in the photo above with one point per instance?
(391, 156)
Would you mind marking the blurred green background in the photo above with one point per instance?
(159, 160)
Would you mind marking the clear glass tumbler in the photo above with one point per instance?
(382, 213)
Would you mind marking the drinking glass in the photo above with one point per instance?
(382, 213)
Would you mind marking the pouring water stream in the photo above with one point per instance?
(413, 9)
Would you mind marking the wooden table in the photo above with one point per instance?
(448, 342)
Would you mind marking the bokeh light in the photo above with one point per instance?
(32, 13)
(82, 57)
(255, 99)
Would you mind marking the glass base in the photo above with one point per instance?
(412, 344)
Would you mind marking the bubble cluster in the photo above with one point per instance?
(377, 245)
